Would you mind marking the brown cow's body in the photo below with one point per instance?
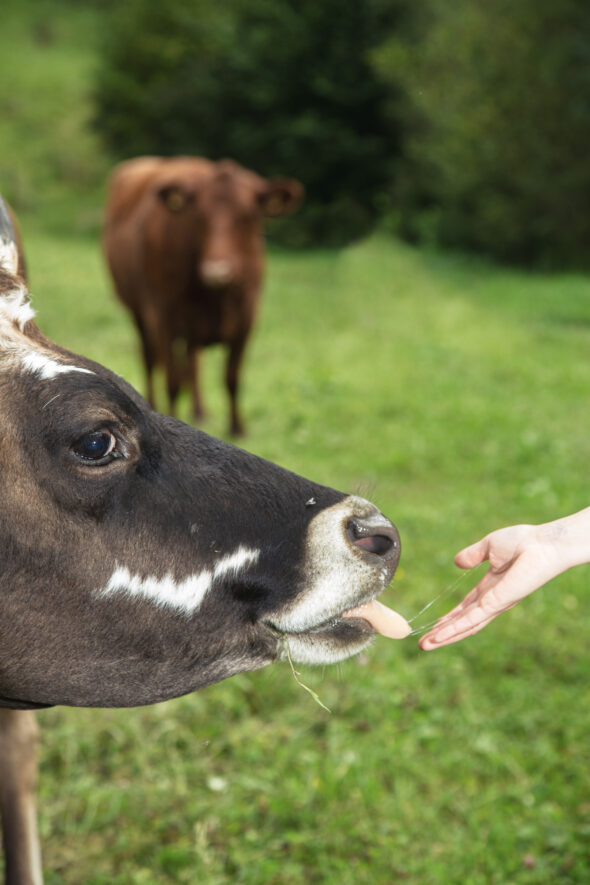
(184, 242)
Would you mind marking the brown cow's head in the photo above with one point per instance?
(227, 206)
(141, 559)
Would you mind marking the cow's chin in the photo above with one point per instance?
(335, 640)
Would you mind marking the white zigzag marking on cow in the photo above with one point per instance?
(185, 595)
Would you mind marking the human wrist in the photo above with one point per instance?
(569, 537)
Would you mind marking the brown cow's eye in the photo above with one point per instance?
(96, 447)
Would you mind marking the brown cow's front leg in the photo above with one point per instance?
(19, 735)
(148, 362)
(198, 409)
(148, 327)
(173, 371)
(232, 374)
(172, 386)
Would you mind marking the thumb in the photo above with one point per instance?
(473, 555)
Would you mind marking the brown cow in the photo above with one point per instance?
(184, 242)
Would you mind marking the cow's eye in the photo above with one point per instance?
(97, 447)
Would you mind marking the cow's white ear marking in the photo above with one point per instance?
(8, 255)
(185, 596)
(45, 367)
(15, 306)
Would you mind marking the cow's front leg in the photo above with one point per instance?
(198, 408)
(19, 736)
(232, 376)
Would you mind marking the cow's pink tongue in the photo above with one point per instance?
(382, 619)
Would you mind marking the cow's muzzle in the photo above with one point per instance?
(352, 552)
(217, 272)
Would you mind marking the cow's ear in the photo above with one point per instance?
(281, 196)
(9, 250)
(175, 197)
(14, 296)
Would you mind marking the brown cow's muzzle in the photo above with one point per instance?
(217, 272)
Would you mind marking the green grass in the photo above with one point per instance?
(51, 161)
(454, 394)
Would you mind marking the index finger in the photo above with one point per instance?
(456, 630)
(465, 620)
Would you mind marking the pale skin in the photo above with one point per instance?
(522, 558)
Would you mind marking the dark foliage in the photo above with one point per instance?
(496, 122)
(282, 86)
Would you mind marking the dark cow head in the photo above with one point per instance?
(225, 205)
(141, 559)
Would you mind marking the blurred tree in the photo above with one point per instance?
(282, 86)
(496, 121)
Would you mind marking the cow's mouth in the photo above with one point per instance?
(344, 635)
(370, 617)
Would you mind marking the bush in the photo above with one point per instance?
(495, 121)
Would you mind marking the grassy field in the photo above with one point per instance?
(455, 395)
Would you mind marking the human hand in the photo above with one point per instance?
(522, 558)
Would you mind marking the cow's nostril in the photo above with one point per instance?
(379, 538)
(377, 544)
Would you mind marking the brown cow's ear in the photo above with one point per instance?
(175, 197)
(281, 196)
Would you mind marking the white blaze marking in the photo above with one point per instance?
(46, 367)
(186, 595)
(234, 562)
